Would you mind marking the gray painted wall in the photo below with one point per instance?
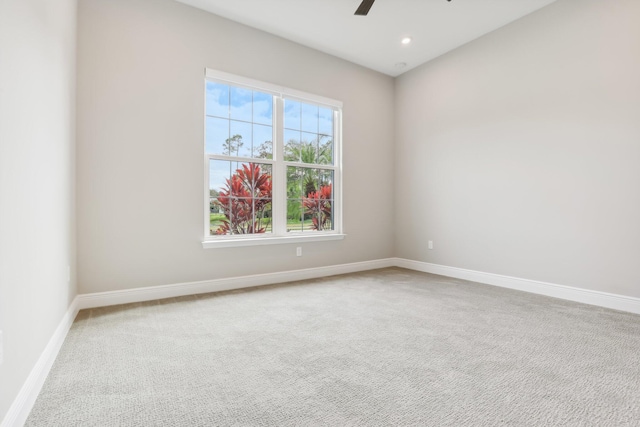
(37, 130)
(516, 154)
(519, 153)
(140, 137)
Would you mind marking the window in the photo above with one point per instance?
(272, 164)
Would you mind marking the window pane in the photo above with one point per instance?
(241, 104)
(309, 181)
(239, 144)
(325, 150)
(240, 195)
(263, 217)
(291, 114)
(262, 144)
(325, 121)
(291, 145)
(294, 183)
(309, 147)
(294, 215)
(309, 199)
(310, 118)
(325, 179)
(219, 173)
(217, 100)
(217, 133)
(318, 205)
(301, 181)
(262, 108)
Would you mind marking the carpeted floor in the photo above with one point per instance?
(389, 347)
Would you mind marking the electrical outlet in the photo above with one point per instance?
(430, 244)
(299, 251)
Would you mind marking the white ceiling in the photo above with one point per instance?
(373, 41)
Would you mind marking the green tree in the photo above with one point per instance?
(303, 182)
(320, 151)
(307, 152)
(264, 150)
(232, 145)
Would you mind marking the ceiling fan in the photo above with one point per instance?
(364, 7)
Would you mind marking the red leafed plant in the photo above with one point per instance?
(317, 204)
(244, 200)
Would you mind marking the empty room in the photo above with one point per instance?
(319, 212)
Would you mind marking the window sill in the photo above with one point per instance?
(230, 243)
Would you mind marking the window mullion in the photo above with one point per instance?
(279, 188)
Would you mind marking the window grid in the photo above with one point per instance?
(322, 213)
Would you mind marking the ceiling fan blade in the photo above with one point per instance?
(364, 7)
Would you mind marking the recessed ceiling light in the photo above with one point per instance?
(401, 65)
(406, 40)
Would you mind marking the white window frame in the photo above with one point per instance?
(279, 234)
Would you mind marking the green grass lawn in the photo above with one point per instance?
(292, 224)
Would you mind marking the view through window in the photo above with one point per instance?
(272, 161)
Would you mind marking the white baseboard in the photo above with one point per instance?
(602, 299)
(21, 406)
(103, 299)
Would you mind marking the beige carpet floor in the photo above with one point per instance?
(389, 347)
